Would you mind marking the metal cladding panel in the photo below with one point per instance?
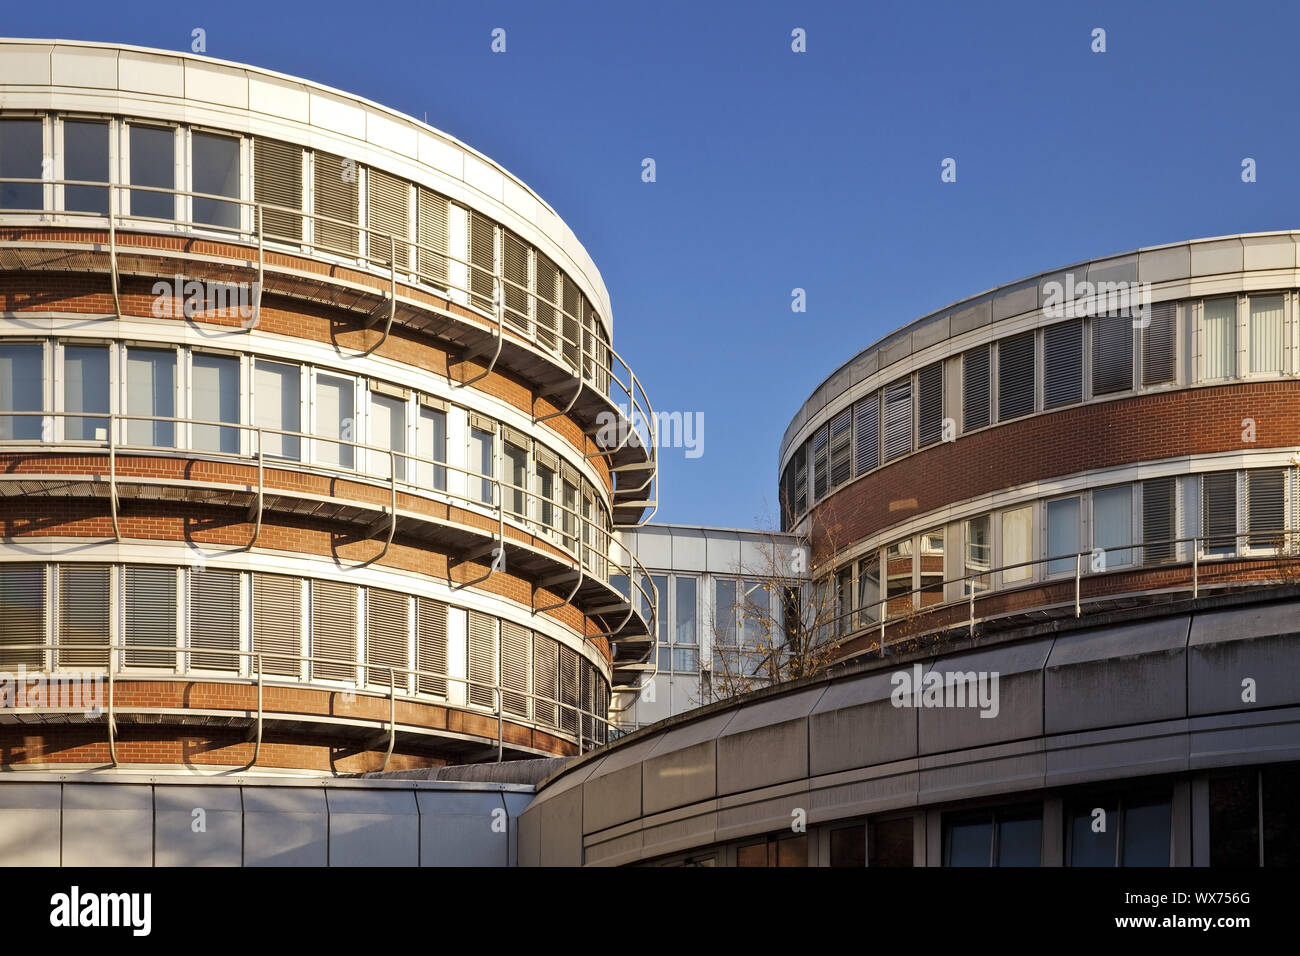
(107, 825)
(766, 743)
(29, 824)
(1217, 258)
(612, 794)
(1117, 675)
(1014, 301)
(856, 724)
(183, 836)
(1228, 647)
(1118, 269)
(561, 830)
(1165, 265)
(516, 804)
(1269, 252)
(466, 828)
(1117, 752)
(373, 828)
(973, 316)
(988, 771)
(285, 826)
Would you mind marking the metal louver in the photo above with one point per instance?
(388, 213)
(431, 646)
(1063, 364)
(334, 630)
(929, 405)
(547, 315)
(819, 464)
(975, 388)
(1158, 515)
(482, 659)
(1112, 354)
(588, 677)
(149, 616)
(898, 419)
(336, 199)
(546, 679)
(572, 330)
(83, 614)
(1159, 355)
(432, 235)
(213, 622)
(22, 608)
(866, 434)
(1266, 506)
(482, 261)
(514, 265)
(1219, 511)
(1016, 380)
(277, 181)
(277, 623)
(568, 690)
(841, 439)
(516, 668)
(387, 637)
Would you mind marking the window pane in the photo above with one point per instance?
(1020, 839)
(849, 846)
(516, 476)
(898, 577)
(725, 611)
(1281, 785)
(753, 855)
(979, 554)
(1112, 353)
(216, 172)
(685, 610)
(1234, 818)
(792, 851)
(546, 494)
(1219, 503)
(388, 430)
(1266, 506)
(1063, 364)
(660, 582)
(868, 590)
(151, 393)
(931, 567)
(1062, 534)
(85, 389)
(480, 461)
(334, 420)
(685, 660)
(970, 842)
(889, 843)
(755, 613)
(85, 158)
(153, 163)
(433, 447)
(1089, 845)
(1219, 338)
(1266, 333)
(1112, 524)
(276, 406)
(21, 389)
(1017, 542)
(216, 398)
(1146, 833)
(21, 153)
(1016, 371)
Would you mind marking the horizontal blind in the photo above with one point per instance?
(588, 678)
(431, 646)
(546, 679)
(483, 261)
(514, 266)
(866, 434)
(149, 616)
(277, 623)
(800, 495)
(1016, 376)
(213, 622)
(898, 419)
(1219, 338)
(1158, 520)
(547, 284)
(1159, 353)
(432, 235)
(929, 405)
(572, 330)
(975, 388)
(841, 437)
(22, 608)
(482, 659)
(388, 213)
(516, 668)
(337, 198)
(387, 636)
(334, 630)
(568, 689)
(1063, 364)
(84, 603)
(1219, 510)
(820, 474)
(1266, 333)
(277, 181)
(1112, 353)
(1266, 506)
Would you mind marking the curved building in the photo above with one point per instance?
(314, 437)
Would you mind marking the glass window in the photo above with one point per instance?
(1120, 831)
(849, 846)
(660, 582)
(1010, 837)
(432, 436)
(388, 430)
(1266, 333)
(569, 514)
(979, 554)
(151, 394)
(1112, 525)
(889, 842)
(970, 841)
(153, 164)
(1219, 503)
(1146, 832)
(85, 158)
(335, 421)
(1234, 818)
(754, 610)
(725, 611)
(216, 398)
(685, 600)
(480, 461)
(1017, 544)
(1020, 838)
(85, 389)
(1062, 534)
(216, 173)
(21, 390)
(1266, 507)
(546, 494)
(21, 157)
(1219, 339)
(516, 476)
(869, 590)
(685, 660)
(277, 401)
(898, 577)
(931, 567)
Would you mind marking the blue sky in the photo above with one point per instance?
(818, 170)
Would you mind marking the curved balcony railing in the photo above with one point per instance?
(563, 719)
(581, 545)
(555, 333)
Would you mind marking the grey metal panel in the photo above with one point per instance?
(682, 767)
(928, 333)
(864, 365)
(899, 347)
(855, 724)
(1226, 647)
(1117, 675)
(1015, 301)
(516, 804)
(29, 824)
(614, 851)
(766, 742)
(1234, 739)
(612, 794)
(987, 771)
(1165, 265)
(185, 837)
(653, 549)
(722, 554)
(465, 828)
(530, 836)
(1217, 258)
(373, 827)
(839, 382)
(764, 815)
(1269, 252)
(1117, 269)
(877, 789)
(972, 316)
(285, 826)
(561, 830)
(1016, 705)
(1117, 752)
(689, 552)
(107, 825)
(682, 833)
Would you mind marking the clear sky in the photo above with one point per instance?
(778, 170)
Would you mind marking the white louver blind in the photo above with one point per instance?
(1016, 380)
(277, 181)
(1112, 353)
(387, 636)
(213, 621)
(841, 439)
(388, 213)
(1158, 344)
(929, 405)
(1063, 364)
(336, 199)
(334, 630)
(898, 419)
(482, 659)
(1219, 338)
(83, 613)
(819, 464)
(975, 388)
(800, 493)
(546, 679)
(149, 613)
(568, 689)
(572, 343)
(482, 260)
(1158, 520)
(277, 623)
(1266, 333)
(547, 282)
(432, 234)
(866, 434)
(1219, 511)
(514, 266)
(516, 668)
(22, 609)
(588, 677)
(431, 646)
(1266, 506)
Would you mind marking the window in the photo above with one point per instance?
(149, 616)
(724, 591)
(799, 495)
(866, 434)
(1062, 534)
(85, 389)
(775, 851)
(83, 615)
(515, 451)
(820, 483)
(337, 202)
(841, 436)
(929, 405)
(889, 842)
(1016, 379)
(277, 624)
(277, 405)
(431, 434)
(898, 419)
(388, 214)
(516, 668)
(480, 458)
(1159, 355)
(869, 590)
(213, 621)
(1219, 339)
(433, 234)
(151, 394)
(335, 420)
(23, 597)
(684, 599)
(1112, 525)
(431, 647)
(515, 271)
(21, 390)
(844, 600)
(898, 577)
(483, 264)
(1110, 830)
(216, 173)
(277, 182)
(1017, 544)
(85, 159)
(548, 466)
(848, 846)
(1265, 507)
(975, 388)
(388, 430)
(1219, 511)
(1159, 520)
(153, 165)
(1112, 353)
(387, 634)
(569, 506)
(1063, 364)
(1266, 333)
(1255, 817)
(22, 153)
(333, 630)
(215, 398)
(1011, 837)
(930, 567)
(979, 554)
